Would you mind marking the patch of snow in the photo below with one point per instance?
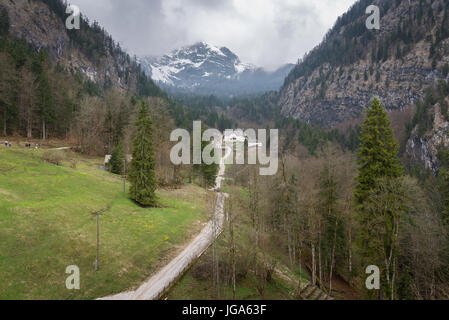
(198, 64)
(242, 67)
(90, 74)
(215, 50)
(163, 74)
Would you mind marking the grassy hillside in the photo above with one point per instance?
(46, 224)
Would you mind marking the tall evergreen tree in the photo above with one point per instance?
(379, 204)
(142, 169)
(378, 156)
(209, 171)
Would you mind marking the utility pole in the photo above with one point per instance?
(97, 213)
(97, 262)
(124, 176)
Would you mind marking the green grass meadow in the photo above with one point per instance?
(46, 224)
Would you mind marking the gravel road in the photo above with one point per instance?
(155, 287)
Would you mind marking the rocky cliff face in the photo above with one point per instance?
(423, 150)
(34, 22)
(339, 78)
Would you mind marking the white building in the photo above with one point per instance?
(234, 136)
(107, 158)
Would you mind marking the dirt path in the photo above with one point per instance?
(62, 148)
(156, 286)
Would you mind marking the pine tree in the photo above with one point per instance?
(116, 162)
(142, 168)
(209, 171)
(379, 232)
(378, 156)
(379, 203)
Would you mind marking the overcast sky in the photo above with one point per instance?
(267, 33)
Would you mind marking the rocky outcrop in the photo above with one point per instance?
(33, 21)
(401, 84)
(423, 150)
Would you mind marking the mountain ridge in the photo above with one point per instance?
(206, 69)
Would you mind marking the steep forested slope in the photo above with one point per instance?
(89, 50)
(73, 84)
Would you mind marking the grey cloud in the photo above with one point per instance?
(268, 33)
(210, 4)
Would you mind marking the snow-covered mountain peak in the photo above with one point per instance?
(200, 67)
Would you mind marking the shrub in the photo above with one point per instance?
(73, 163)
(116, 161)
(53, 156)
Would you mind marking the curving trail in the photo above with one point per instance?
(157, 285)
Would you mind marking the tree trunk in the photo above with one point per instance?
(4, 122)
(393, 278)
(294, 251)
(320, 276)
(333, 257)
(232, 247)
(350, 255)
(300, 268)
(44, 134)
(313, 265)
(290, 253)
(29, 130)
